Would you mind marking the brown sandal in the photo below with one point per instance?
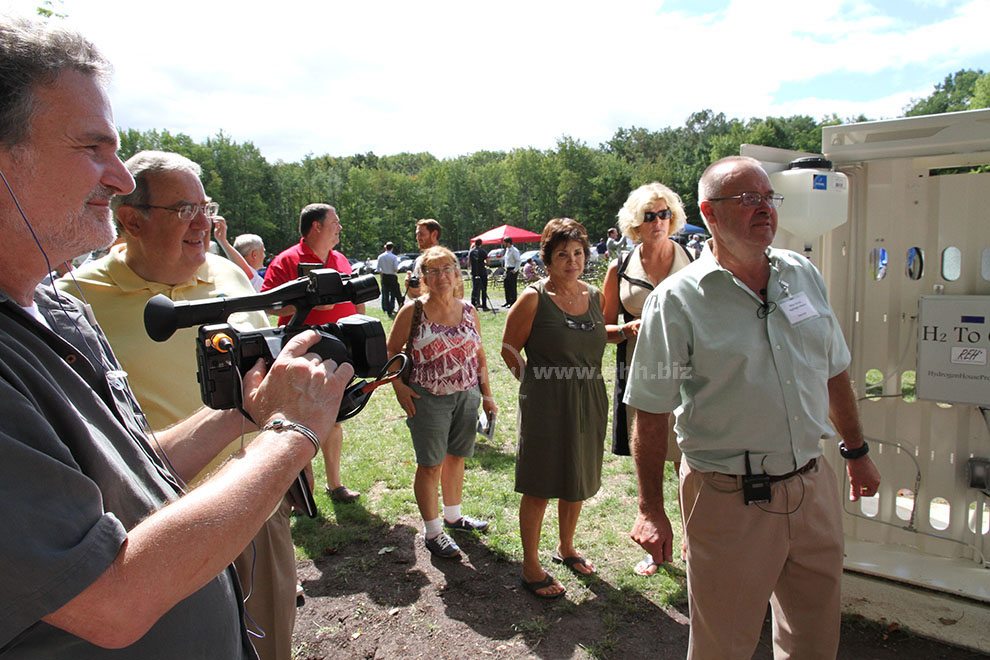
(535, 586)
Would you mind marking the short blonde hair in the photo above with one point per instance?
(631, 214)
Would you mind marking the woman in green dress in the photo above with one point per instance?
(563, 406)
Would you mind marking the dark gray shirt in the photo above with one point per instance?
(76, 474)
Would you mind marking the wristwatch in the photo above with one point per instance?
(850, 454)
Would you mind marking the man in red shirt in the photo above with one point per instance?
(320, 229)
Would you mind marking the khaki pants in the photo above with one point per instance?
(739, 557)
(271, 606)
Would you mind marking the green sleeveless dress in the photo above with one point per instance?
(563, 406)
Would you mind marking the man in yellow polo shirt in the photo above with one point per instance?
(165, 224)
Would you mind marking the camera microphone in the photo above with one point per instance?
(163, 316)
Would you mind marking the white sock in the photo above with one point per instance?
(452, 513)
(432, 528)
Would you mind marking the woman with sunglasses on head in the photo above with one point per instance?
(563, 406)
(651, 215)
(449, 379)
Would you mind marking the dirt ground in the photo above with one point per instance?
(390, 598)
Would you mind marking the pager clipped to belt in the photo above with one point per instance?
(756, 487)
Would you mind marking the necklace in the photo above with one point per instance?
(557, 291)
(567, 299)
(571, 301)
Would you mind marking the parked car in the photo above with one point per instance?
(371, 265)
(407, 261)
(531, 255)
(494, 259)
(462, 258)
(359, 267)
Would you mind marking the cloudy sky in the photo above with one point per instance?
(304, 77)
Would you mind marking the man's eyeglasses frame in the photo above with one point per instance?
(186, 212)
(753, 199)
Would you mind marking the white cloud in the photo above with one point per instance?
(454, 77)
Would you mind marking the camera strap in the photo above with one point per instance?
(357, 394)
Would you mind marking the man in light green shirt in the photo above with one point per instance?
(742, 346)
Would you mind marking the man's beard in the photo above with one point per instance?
(83, 231)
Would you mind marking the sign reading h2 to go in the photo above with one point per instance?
(954, 349)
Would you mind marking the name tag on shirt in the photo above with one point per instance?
(798, 308)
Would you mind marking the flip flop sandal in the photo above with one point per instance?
(535, 586)
(572, 562)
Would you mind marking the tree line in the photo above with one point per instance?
(380, 197)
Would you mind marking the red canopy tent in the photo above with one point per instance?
(507, 231)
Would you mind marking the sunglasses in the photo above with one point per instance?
(583, 326)
(652, 216)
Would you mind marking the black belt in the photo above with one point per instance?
(801, 470)
(782, 477)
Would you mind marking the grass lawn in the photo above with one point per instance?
(378, 460)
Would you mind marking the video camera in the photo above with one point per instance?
(224, 354)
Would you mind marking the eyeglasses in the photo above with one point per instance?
(437, 272)
(754, 199)
(583, 326)
(186, 212)
(664, 214)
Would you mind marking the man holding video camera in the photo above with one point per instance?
(319, 230)
(102, 550)
(165, 223)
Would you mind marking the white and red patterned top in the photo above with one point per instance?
(445, 357)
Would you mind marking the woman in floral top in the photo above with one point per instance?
(449, 379)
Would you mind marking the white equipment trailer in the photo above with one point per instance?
(908, 274)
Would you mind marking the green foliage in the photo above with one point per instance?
(49, 9)
(981, 93)
(379, 198)
(951, 95)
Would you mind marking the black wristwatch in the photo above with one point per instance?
(850, 454)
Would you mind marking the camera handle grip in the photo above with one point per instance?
(301, 492)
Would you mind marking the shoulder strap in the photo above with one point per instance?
(686, 251)
(472, 313)
(417, 320)
(632, 280)
(620, 273)
(623, 263)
